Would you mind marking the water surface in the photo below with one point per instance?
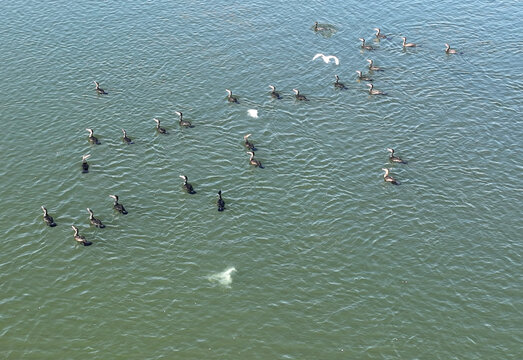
(331, 262)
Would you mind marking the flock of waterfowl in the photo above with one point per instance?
(366, 77)
(92, 139)
(48, 219)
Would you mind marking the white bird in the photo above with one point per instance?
(327, 59)
(253, 113)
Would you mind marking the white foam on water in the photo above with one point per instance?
(253, 113)
(223, 278)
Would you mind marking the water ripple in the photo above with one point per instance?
(330, 258)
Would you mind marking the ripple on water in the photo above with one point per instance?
(330, 258)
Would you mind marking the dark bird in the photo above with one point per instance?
(406, 44)
(317, 27)
(365, 47)
(117, 206)
(92, 139)
(393, 158)
(448, 50)
(183, 122)
(79, 238)
(220, 202)
(299, 96)
(253, 161)
(325, 30)
(99, 90)
(337, 84)
(48, 218)
(372, 67)
(372, 91)
(378, 34)
(96, 222)
(249, 145)
(160, 129)
(274, 93)
(125, 138)
(186, 186)
(230, 97)
(363, 77)
(85, 165)
(389, 178)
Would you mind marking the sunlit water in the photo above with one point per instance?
(315, 256)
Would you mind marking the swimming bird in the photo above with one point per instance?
(230, 97)
(188, 187)
(389, 178)
(327, 59)
(317, 27)
(363, 46)
(448, 50)
(79, 238)
(220, 202)
(374, 92)
(160, 129)
(406, 44)
(253, 113)
(48, 218)
(92, 139)
(363, 77)
(248, 144)
(253, 161)
(337, 84)
(183, 122)
(99, 90)
(378, 34)
(96, 222)
(125, 138)
(274, 93)
(299, 96)
(372, 67)
(117, 206)
(85, 165)
(393, 158)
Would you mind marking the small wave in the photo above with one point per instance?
(223, 278)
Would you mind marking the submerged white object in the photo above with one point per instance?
(223, 278)
(327, 58)
(252, 113)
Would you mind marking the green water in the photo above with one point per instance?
(331, 262)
